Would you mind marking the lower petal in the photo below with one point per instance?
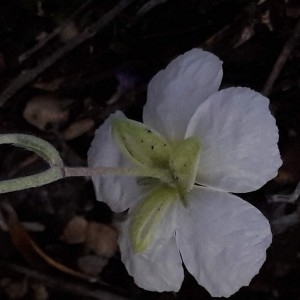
(119, 192)
(222, 240)
(159, 268)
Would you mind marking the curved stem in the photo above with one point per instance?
(44, 150)
(58, 171)
(17, 184)
(35, 144)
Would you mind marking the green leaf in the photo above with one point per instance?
(141, 144)
(146, 216)
(184, 162)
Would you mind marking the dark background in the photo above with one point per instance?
(68, 100)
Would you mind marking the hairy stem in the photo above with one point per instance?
(22, 183)
(106, 171)
(58, 171)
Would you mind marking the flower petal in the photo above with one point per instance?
(238, 138)
(159, 268)
(176, 92)
(222, 240)
(119, 192)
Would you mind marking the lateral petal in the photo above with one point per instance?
(238, 137)
(119, 192)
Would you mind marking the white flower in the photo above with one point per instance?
(220, 238)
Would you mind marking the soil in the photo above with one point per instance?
(66, 101)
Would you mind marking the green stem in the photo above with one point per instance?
(57, 169)
(22, 183)
(42, 148)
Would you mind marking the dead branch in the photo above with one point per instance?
(149, 6)
(53, 34)
(60, 284)
(27, 76)
(281, 60)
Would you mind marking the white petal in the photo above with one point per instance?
(119, 192)
(238, 138)
(176, 92)
(222, 240)
(159, 268)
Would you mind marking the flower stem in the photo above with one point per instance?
(41, 147)
(26, 182)
(106, 171)
(58, 171)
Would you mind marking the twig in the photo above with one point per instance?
(150, 5)
(27, 76)
(282, 223)
(61, 284)
(53, 34)
(286, 198)
(281, 60)
(39, 45)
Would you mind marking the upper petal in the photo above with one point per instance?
(176, 92)
(159, 268)
(238, 137)
(222, 240)
(119, 192)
